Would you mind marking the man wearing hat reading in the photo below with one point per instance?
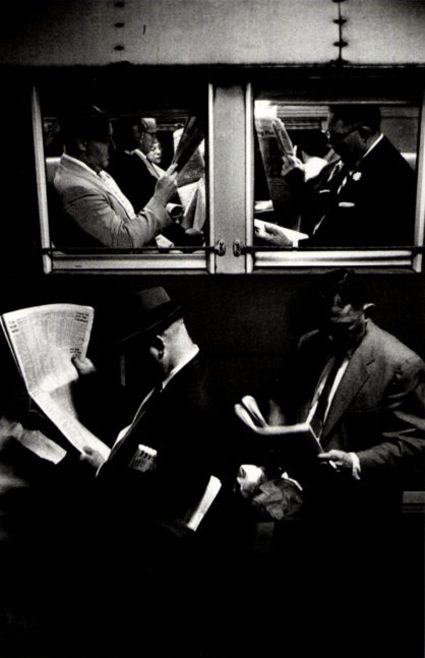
(95, 210)
(165, 452)
(158, 472)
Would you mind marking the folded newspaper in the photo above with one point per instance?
(260, 229)
(299, 437)
(186, 149)
(43, 339)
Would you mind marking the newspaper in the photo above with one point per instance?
(187, 154)
(43, 339)
(275, 144)
(299, 437)
(293, 236)
(209, 495)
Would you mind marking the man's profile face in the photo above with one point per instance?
(147, 141)
(345, 139)
(344, 322)
(97, 152)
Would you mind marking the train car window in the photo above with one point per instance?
(335, 180)
(106, 196)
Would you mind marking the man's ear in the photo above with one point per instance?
(81, 144)
(367, 308)
(365, 132)
(158, 344)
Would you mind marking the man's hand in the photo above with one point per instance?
(166, 186)
(83, 365)
(291, 163)
(338, 459)
(92, 457)
(10, 428)
(273, 234)
(249, 478)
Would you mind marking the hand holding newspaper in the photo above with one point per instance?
(43, 340)
(299, 437)
(276, 235)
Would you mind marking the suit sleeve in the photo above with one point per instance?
(403, 425)
(94, 215)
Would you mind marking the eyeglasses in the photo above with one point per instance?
(334, 137)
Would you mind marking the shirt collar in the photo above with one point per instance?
(185, 360)
(375, 143)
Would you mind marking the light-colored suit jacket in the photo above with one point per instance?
(100, 214)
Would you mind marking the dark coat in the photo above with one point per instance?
(149, 548)
(375, 206)
(182, 426)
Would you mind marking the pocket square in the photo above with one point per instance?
(144, 459)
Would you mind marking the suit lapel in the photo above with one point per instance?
(354, 378)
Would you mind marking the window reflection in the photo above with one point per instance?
(337, 175)
(107, 181)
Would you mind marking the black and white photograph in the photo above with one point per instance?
(212, 342)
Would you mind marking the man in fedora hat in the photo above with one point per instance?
(158, 471)
(165, 452)
(95, 211)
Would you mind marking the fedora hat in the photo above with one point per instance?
(149, 125)
(149, 311)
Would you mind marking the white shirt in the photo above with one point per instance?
(321, 384)
(319, 388)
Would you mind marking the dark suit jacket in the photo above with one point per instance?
(378, 410)
(182, 426)
(375, 207)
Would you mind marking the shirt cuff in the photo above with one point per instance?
(356, 470)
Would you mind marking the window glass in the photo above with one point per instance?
(105, 160)
(335, 175)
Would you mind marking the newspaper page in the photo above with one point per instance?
(43, 340)
(210, 493)
(274, 142)
(299, 437)
(187, 154)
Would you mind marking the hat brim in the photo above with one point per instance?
(161, 318)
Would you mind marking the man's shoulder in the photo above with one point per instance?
(194, 387)
(71, 177)
(389, 346)
(70, 169)
(388, 157)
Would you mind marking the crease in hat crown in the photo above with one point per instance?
(149, 125)
(150, 311)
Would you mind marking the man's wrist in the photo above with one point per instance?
(355, 466)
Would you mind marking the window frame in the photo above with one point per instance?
(274, 258)
(230, 181)
(147, 259)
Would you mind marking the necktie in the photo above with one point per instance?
(318, 419)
